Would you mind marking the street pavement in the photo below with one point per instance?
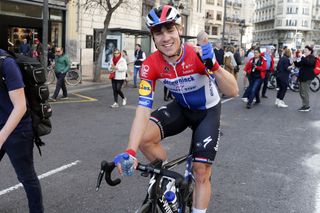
(268, 159)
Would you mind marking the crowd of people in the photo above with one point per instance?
(258, 67)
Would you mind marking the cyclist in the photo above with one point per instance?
(196, 104)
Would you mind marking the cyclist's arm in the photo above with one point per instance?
(226, 82)
(139, 126)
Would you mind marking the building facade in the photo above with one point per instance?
(292, 23)
(22, 19)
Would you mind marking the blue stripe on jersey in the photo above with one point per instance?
(195, 99)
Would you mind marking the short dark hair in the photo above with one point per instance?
(309, 48)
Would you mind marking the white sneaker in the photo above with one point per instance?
(245, 100)
(277, 102)
(124, 101)
(282, 104)
(114, 105)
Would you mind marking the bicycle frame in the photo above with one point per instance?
(155, 196)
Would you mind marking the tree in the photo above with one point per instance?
(109, 6)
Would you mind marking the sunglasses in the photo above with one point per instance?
(116, 53)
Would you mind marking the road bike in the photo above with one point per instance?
(73, 76)
(294, 82)
(272, 81)
(155, 201)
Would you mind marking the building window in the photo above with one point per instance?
(305, 11)
(279, 10)
(210, 1)
(219, 16)
(219, 2)
(291, 22)
(207, 29)
(304, 23)
(210, 14)
(214, 30)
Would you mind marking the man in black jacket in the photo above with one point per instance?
(306, 75)
(218, 51)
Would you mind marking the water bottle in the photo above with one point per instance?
(172, 200)
(127, 165)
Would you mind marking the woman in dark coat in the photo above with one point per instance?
(284, 69)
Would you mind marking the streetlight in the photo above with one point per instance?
(242, 25)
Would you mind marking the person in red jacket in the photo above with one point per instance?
(256, 72)
(270, 69)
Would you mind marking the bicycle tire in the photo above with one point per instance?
(147, 208)
(73, 77)
(315, 84)
(272, 82)
(293, 83)
(51, 77)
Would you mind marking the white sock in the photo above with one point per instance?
(194, 210)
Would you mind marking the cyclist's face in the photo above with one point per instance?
(167, 38)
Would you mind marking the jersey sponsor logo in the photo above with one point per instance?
(210, 72)
(206, 141)
(145, 88)
(181, 80)
(145, 70)
(145, 102)
(166, 69)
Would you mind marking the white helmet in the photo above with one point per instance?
(161, 15)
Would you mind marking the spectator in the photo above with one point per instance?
(126, 57)
(306, 64)
(16, 134)
(284, 70)
(62, 66)
(237, 58)
(140, 56)
(24, 48)
(256, 71)
(270, 68)
(229, 61)
(218, 51)
(249, 54)
(119, 66)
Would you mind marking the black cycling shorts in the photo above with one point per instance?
(205, 124)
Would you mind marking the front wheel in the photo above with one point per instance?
(293, 83)
(147, 208)
(272, 82)
(315, 84)
(73, 77)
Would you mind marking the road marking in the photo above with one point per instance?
(226, 100)
(10, 189)
(84, 99)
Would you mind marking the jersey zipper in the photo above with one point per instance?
(180, 88)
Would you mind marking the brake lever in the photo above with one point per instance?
(100, 176)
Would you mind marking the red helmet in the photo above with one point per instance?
(161, 15)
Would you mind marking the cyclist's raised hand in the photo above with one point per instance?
(118, 158)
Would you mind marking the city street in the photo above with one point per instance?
(268, 159)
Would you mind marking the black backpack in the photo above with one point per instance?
(37, 93)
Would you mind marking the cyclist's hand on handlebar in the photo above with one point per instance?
(117, 159)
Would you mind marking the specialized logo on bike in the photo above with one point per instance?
(145, 88)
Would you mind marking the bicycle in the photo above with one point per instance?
(73, 76)
(155, 201)
(294, 83)
(51, 77)
(272, 81)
